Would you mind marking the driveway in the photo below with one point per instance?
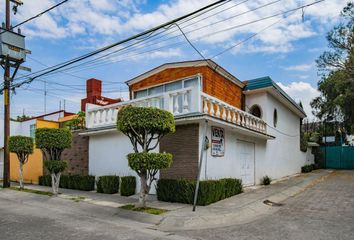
(323, 211)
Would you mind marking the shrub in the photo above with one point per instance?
(266, 180)
(77, 182)
(210, 191)
(108, 184)
(55, 166)
(307, 168)
(127, 185)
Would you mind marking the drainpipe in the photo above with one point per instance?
(200, 164)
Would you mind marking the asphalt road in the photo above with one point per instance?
(324, 211)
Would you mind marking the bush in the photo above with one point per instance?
(77, 182)
(210, 191)
(55, 166)
(149, 161)
(266, 180)
(307, 168)
(108, 184)
(127, 185)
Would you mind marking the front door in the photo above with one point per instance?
(246, 156)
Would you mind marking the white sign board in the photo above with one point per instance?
(217, 142)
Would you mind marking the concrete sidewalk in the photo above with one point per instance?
(239, 209)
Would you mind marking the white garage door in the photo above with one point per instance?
(246, 156)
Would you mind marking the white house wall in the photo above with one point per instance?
(107, 156)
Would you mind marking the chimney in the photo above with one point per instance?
(93, 88)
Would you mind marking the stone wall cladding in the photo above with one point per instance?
(77, 155)
(184, 145)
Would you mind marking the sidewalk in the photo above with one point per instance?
(241, 208)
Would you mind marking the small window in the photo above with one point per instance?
(173, 86)
(156, 90)
(32, 130)
(275, 117)
(256, 111)
(191, 83)
(140, 94)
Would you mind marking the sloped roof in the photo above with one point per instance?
(267, 82)
(194, 63)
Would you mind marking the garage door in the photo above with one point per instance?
(246, 156)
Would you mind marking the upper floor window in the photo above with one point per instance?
(32, 130)
(275, 117)
(256, 111)
(172, 86)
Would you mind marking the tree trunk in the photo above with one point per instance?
(21, 176)
(144, 190)
(55, 183)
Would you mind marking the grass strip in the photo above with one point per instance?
(149, 210)
(32, 191)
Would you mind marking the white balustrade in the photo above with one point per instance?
(231, 114)
(179, 102)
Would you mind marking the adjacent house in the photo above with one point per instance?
(34, 167)
(251, 128)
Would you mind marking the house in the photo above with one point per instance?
(252, 127)
(34, 167)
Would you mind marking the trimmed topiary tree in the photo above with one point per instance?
(145, 127)
(53, 142)
(23, 147)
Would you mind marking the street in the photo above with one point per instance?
(322, 211)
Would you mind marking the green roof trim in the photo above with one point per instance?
(265, 82)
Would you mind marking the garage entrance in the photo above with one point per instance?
(246, 154)
(339, 157)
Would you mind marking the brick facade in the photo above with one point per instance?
(77, 155)
(184, 145)
(214, 84)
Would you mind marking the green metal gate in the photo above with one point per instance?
(339, 157)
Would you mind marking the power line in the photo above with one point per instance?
(147, 32)
(36, 16)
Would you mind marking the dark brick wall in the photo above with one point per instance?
(77, 155)
(183, 144)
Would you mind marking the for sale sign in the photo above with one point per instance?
(217, 141)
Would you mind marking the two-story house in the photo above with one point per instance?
(252, 128)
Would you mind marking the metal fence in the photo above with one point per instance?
(339, 157)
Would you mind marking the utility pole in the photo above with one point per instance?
(12, 54)
(6, 180)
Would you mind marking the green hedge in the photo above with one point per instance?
(108, 184)
(77, 182)
(127, 185)
(210, 191)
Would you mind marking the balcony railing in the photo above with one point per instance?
(179, 102)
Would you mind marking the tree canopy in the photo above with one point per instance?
(53, 141)
(336, 67)
(21, 145)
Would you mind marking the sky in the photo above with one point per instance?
(283, 47)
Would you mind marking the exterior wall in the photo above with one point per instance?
(46, 124)
(108, 153)
(31, 170)
(185, 153)
(77, 155)
(282, 156)
(213, 83)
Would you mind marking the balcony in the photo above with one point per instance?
(182, 102)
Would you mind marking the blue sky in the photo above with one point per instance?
(286, 52)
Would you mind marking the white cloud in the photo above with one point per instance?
(300, 68)
(98, 19)
(301, 91)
